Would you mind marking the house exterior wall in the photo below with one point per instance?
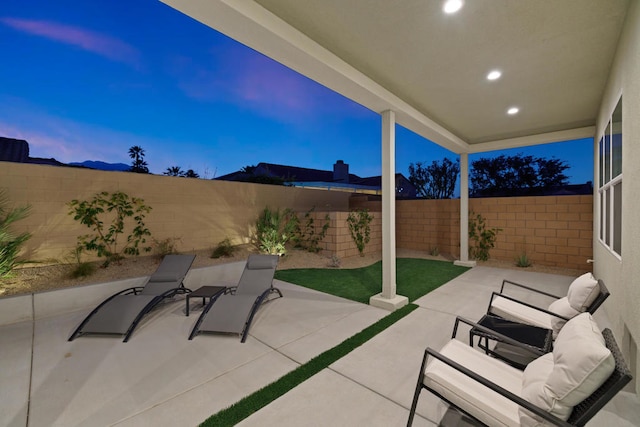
(197, 213)
(621, 276)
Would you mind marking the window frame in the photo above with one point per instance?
(609, 208)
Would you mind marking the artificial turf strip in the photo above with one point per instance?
(261, 398)
(414, 278)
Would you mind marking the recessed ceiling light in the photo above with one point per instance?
(452, 6)
(494, 75)
(513, 110)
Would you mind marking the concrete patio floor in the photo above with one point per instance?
(159, 378)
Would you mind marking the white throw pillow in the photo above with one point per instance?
(564, 309)
(534, 378)
(582, 292)
(581, 364)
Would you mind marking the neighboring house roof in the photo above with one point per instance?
(17, 150)
(14, 150)
(299, 176)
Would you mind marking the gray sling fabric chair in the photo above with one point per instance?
(120, 313)
(233, 310)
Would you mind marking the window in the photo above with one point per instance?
(610, 182)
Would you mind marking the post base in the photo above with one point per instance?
(465, 263)
(391, 304)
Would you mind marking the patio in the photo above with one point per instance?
(161, 378)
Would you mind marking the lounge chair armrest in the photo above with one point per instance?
(529, 288)
(135, 290)
(496, 336)
(231, 290)
(544, 310)
(496, 388)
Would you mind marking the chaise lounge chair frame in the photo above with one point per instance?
(254, 288)
(581, 413)
(122, 312)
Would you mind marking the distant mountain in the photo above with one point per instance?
(103, 166)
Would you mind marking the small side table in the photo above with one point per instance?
(204, 293)
(532, 336)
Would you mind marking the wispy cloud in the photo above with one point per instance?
(255, 82)
(101, 44)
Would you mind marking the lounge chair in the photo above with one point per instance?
(233, 310)
(566, 387)
(121, 312)
(585, 294)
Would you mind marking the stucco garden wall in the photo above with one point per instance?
(197, 213)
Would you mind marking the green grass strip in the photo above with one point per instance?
(414, 278)
(261, 398)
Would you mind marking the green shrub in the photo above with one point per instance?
(274, 229)
(9, 242)
(307, 235)
(359, 222)
(224, 249)
(83, 269)
(116, 208)
(482, 239)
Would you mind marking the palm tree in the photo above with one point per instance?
(174, 171)
(139, 165)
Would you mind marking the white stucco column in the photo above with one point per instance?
(464, 213)
(388, 298)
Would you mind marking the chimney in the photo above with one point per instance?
(341, 172)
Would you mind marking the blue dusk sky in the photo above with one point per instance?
(86, 80)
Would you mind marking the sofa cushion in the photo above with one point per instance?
(533, 380)
(582, 292)
(564, 309)
(516, 312)
(484, 404)
(581, 364)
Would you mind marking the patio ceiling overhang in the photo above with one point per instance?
(407, 56)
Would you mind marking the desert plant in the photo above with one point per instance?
(307, 235)
(523, 260)
(81, 268)
(483, 238)
(224, 249)
(335, 261)
(117, 207)
(359, 222)
(435, 251)
(274, 229)
(166, 246)
(9, 242)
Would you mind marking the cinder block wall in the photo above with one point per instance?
(197, 213)
(555, 231)
(338, 240)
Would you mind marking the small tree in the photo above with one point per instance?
(483, 238)
(9, 242)
(117, 207)
(436, 181)
(359, 222)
